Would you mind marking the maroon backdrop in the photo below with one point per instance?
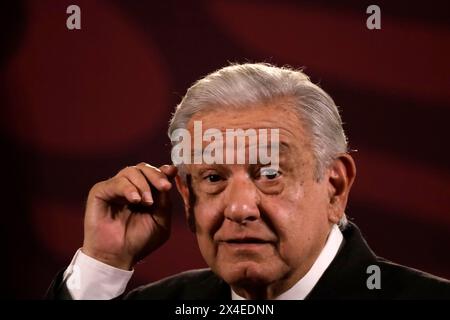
(76, 106)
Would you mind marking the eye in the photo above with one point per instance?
(269, 173)
(213, 178)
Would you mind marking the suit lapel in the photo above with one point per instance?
(211, 288)
(346, 276)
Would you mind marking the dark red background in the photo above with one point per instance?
(76, 106)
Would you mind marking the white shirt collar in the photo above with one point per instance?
(304, 286)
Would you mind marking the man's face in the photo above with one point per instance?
(257, 227)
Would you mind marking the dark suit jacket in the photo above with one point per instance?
(345, 278)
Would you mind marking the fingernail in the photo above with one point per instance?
(148, 197)
(135, 196)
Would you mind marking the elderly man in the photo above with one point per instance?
(267, 230)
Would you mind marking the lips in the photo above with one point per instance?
(246, 241)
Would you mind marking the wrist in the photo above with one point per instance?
(109, 259)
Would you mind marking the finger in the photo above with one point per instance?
(117, 188)
(135, 176)
(169, 170)
(155, 176)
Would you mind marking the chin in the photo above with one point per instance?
(249, 274)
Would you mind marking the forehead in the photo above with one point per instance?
(272, 116)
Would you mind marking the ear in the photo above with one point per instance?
(341, 174)
(187, 195)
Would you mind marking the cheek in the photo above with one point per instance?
(310, 219)
(207, 214)
(284, 212)
(202, 232)
(297, 216)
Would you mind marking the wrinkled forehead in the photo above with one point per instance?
(278, 115)
(261, 135)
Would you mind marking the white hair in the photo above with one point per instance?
(250, 84)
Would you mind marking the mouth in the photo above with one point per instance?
(246, 241)
(245, 244)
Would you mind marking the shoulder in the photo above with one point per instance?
(192, 284)
(400, 282)
(353, 274)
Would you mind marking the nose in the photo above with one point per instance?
(242, 201)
